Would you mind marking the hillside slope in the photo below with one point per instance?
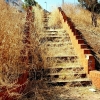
(82, 21)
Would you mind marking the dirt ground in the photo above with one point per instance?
(79, 93)
(42, 91)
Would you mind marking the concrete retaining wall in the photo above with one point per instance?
(95, 77)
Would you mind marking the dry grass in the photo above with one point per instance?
(82, 21)
(12, 31)
(38, 19)
(11, 25)
(35, 31)
(78, 15)
(55, 20)
(40, 90)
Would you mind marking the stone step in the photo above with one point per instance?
(63, 70)
(65, 57)
(68, 66)
(46, 27)
(45, 19)
(75, 82)
(52, 45)
(55, 42)
(55, 35)
(58, 43)
(66, 75)
(45, 24)
(58, 46)
(55, 39)
(51, 38)
(56, 30)
(63, 62)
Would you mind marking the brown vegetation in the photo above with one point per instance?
(55, 20)
(83, 22)
(11, 25)
(12, 34)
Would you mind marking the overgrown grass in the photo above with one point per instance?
(38, 19)
(77, 14)
(83, 22)
(11, 34)
(12, 31)
(36, 29)
(55, 19)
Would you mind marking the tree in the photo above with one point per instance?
(30, 2)
(93, 6)
(89, 4)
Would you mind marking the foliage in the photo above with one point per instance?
(30, 2)
(91, 5)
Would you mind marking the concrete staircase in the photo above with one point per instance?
(45, 20)
(63, 65)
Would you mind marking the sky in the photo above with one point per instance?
(51, 4)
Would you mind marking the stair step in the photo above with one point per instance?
(76, 82)
(59, 45)
(66, 75)
(67, 67)
(46, 27)
(45, 24)
(45, 17)
(65, 47)
(65, 57)
(62, 43)
(62, 63)
(45, 20)
(63, 70)
(56, 30)
(55, 36)
(54, 39)
(61, 76)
